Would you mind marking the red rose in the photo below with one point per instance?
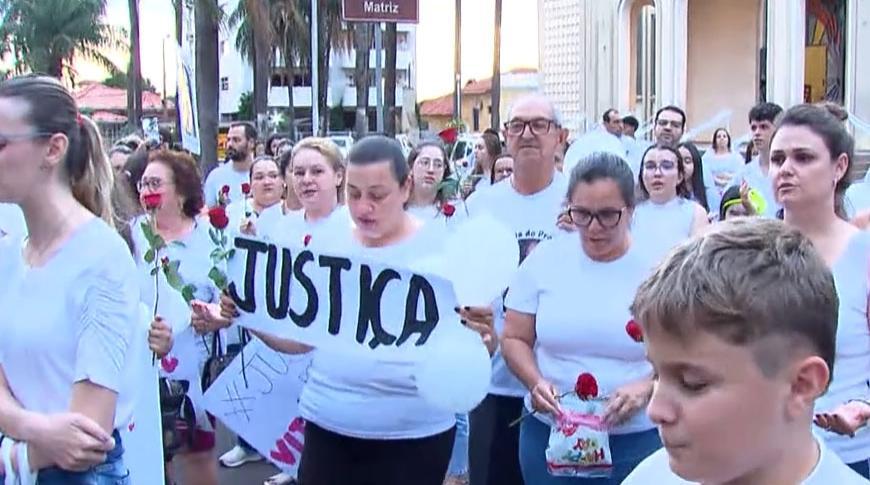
(225, 189)
(634, 331)
(448, 209)
(449, 135)
(586, 386)
(306, 240)
(218, 217)
(152, 201)
(246, 188)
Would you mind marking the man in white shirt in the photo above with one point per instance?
(740, 351)
(241, 141)
(528, 203)
(604, 139)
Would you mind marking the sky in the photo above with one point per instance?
(434, 41)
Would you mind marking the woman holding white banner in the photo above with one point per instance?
(265, 187)
(665, 217)
(547, 342)
(71, 304)
(170, 187)
(361, 429)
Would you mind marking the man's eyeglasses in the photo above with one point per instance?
(538, 126)
(665, 166)
(608, 218)
(433, 163)
(6, 140)
(151, 183)
(672, 123)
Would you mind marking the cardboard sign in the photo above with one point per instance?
(340, 302)
(263, 410)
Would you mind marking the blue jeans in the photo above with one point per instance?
(627, 450)
(111, 472)
(459, 458)
(861, 467)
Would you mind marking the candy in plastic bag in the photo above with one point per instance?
(579, 444)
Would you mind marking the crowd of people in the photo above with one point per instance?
(749, 280)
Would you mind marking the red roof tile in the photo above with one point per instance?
(97, 96)
(442, 106)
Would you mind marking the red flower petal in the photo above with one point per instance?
(246, 188)
(586, 386)
(632, 328)
(306, 240)
(225, 189)
(448, 209)
(217, 216)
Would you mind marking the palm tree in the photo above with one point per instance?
(291, 30)
(362, 43)
(390, 79)
(255, 41)
(331, 36)
(134, 73)
(207, 18)
(46, 36)
(495, 101)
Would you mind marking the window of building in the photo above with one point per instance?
(225, 84)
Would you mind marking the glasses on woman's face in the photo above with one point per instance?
(664, 166)
(151, 183)
(607, 218)
(431, 163)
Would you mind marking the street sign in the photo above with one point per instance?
(404, 11)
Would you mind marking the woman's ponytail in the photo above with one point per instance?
(93, 182)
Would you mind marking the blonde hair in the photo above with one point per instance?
(94, 188)
(329, 150)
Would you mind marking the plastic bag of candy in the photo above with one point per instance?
(579, 445)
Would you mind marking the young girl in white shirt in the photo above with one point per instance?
(547, 342)
(811, 158)
(72, 297)
(665, 217)
(429, 201)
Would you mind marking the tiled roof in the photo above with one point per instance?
(95, 96)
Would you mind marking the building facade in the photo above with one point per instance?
(715, 58)
(237, 77)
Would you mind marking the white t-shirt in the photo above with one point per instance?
(237, 211)
(852, 361)
(432, 214)
(292, 229)
(367, 399)
(719, 171)
(12, 221)
(830, 470)
(224, 174)
(269, 218)
(71, 320)
(581, 309)
(533, 219)
(657, 228)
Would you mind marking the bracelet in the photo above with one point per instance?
(11, 478)
(26, 476)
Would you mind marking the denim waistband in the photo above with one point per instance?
(54, 475)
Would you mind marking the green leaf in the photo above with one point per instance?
(187, 293)
(149, 256)
(158, 242)
(215, 254)
(173, 279)
(231, 253)
(177, 244)
(223, 241)
(154, 271)
(174, 265)
(218, 277)
(148, 231)
(214, 237)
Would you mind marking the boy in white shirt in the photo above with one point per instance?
(739, 325)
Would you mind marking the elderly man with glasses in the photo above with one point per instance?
(528, 203)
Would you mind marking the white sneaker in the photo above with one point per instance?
(237, 457)
(280, 479)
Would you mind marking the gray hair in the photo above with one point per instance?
(557, 115)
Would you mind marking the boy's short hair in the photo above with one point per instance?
(744, 281)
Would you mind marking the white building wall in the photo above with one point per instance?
(239, 75)
(562, 57)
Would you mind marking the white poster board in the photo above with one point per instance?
(263, 410)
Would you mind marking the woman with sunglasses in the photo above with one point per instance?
(547, 341)
(71, 302)
(666, 216)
